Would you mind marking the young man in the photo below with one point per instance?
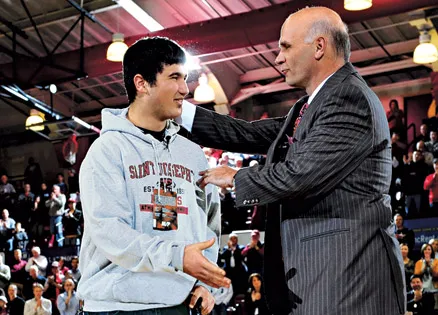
(38, 305)
(141, 205)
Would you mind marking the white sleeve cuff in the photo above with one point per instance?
(188, 115)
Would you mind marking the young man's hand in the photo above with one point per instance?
(207, 299)
(199, 267)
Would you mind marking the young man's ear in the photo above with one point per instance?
(142, 86)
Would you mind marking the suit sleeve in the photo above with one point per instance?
(218, 131)
(339, 140)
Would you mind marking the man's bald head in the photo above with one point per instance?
(322, 21)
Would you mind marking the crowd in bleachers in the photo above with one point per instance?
(39, 216)
(40, 221)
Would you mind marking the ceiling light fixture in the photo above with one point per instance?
(357, 5)
(34, 118)
(117, 49)
(204, 93)
(425, 52)
(140, 15)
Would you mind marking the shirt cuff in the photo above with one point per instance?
(178, 256)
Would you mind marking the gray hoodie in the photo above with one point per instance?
(141, 206)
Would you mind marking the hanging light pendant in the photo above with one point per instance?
(204, 93)
(34, 119)
(357, 5)
(117, 49)
(425, 52)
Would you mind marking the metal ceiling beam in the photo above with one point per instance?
(222, 34)
(356, 56)
(59, 16)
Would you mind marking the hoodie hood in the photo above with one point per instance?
(116, 120)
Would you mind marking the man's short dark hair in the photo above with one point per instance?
(147, 57)
(416, 276)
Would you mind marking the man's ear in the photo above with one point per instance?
(141, 85)
(320, 47)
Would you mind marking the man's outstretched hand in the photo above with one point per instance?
(221, 176)
(199, 267)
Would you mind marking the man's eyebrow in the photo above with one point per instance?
(284, 44)
(178, 74)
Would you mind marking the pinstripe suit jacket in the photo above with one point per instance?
(329, 238)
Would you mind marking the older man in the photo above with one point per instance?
(68, 302)
(37, 260)
(56, 205)
(325, 181)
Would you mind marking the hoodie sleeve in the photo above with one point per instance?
(109, 217)
(211, 206)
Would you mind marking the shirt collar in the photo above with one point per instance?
(311, 97)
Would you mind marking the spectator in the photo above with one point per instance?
(427, 266)
(76, 274)
(403, 234)
(415, 173)
(431, 184)
(432, 145)
(44, 193)
(19, 238)
(395, 117)
(33, 277)
(16, 303)
(253, 253)
(428, 157)
(37, 260)
(7, 224)
(53, 285)
(424, 134)
(73, 181)
(434, 243)
(3, 305)
(72, 224)
(33, 174)
(7, 192)
(62, 267)
(5, 274)
(233, 264)
(420, 300)
(18, 270)
(38, 218)
(408, 263)
(255, 302)
(68, 302)
(56, 205)
(60, 181)
(38, 305)
(26, 204)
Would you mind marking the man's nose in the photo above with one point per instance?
(280, 59)
(183, 89)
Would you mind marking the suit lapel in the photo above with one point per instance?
(293, 113)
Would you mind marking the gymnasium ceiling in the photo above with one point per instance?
(235, 40)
